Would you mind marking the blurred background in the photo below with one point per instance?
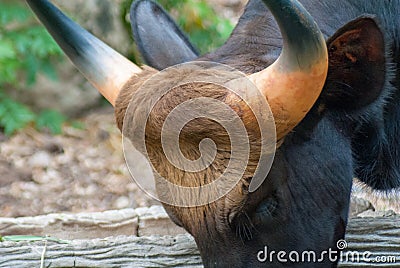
(60, 150)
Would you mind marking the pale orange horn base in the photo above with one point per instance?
(291, 94)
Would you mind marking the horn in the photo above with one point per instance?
(291, 85)
(105, 68)
(295, 80)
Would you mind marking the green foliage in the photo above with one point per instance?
(13, 115)
(26, 49)
(206, 29)
(50, 120)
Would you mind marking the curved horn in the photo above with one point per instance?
(105, 68)
(294, 82)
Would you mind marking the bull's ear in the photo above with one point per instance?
(159, 40)
(357, 65)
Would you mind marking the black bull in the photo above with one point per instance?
(352, 131)
(349, 132)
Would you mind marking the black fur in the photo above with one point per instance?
(352, 130)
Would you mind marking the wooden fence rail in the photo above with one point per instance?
(147, 238)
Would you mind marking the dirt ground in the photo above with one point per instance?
(81, 170)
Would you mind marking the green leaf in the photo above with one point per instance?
(51, 120)
(42, 44)
(14, 116)
(8, 71)
(13, 11)
(31, 66)
(26, 49)
(7, 50)
(49, 70)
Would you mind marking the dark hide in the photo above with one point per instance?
(352, 130)
(372, 123)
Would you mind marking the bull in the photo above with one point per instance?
(331, 124)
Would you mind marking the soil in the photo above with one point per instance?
(81, 170)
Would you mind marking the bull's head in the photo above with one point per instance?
(232, 230)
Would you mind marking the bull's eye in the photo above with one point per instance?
(266, 210)
(332, 49)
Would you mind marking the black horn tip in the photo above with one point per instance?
(304, 43)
